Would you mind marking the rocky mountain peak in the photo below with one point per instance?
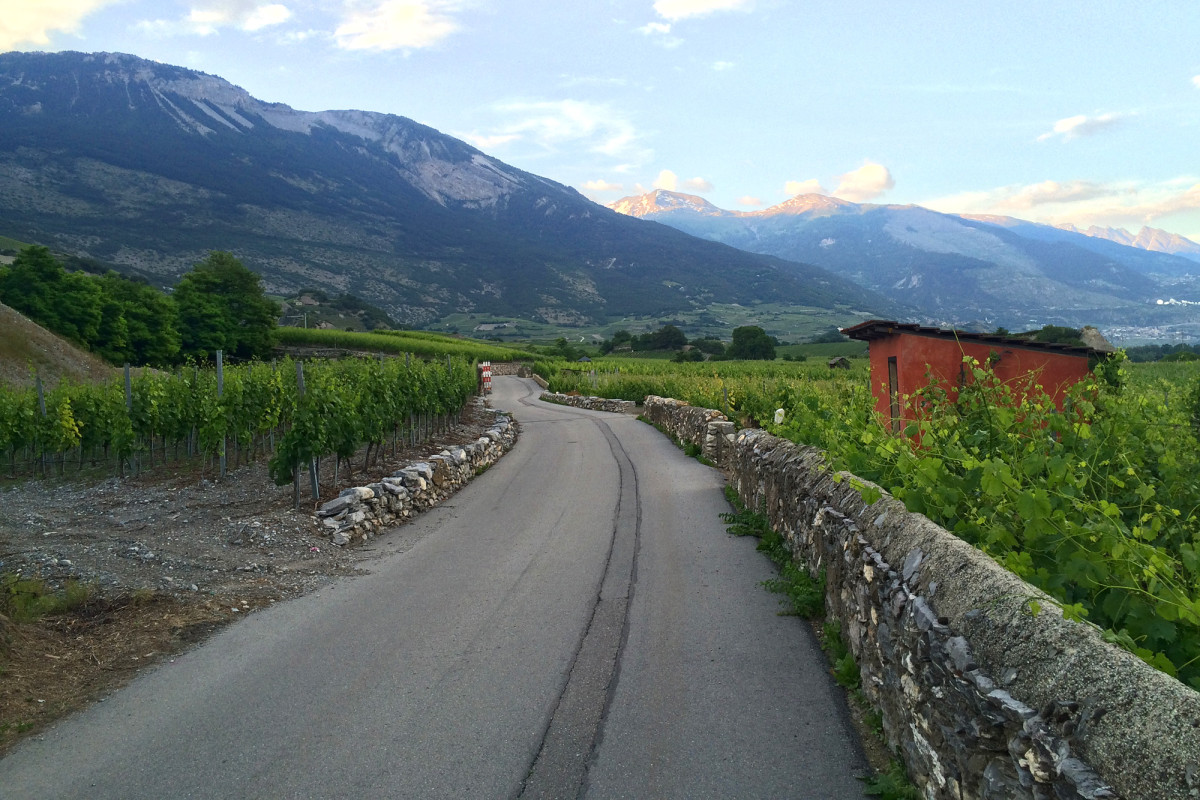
(811, 205)
(661, 201)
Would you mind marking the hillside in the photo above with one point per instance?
(990, 270)
(26, 347)
(150, 166)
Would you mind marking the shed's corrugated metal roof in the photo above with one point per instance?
(878, 328)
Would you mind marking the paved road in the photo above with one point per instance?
(576, 623)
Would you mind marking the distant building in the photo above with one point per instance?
(902, 355)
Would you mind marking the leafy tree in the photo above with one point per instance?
(829, 335)
(68, 303)
(1057, 334)
(751, 343)
(621, 338)
(714, 347)
(222, 307)
(150, 319)
(564, 349)
(668, 337)
(690, 354)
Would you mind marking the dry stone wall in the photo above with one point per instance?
(981, 697)
(593, 403)
(363, 511)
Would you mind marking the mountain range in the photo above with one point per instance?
(149, 167)
(1147, 239)
(954, 268)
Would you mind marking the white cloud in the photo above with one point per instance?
(666, 180)
(603, 186)
(669, 181)
(752, 202)
(1196, 81)
(810, 186)
(266, 16)
(486, 142)
(25, 22)
(1047, 192)
(682, 9)
(1114, 204)
(661, 31)
(549, 125)
(396, 25)
(721, 66)
(207, 17)
(1082, 125)
(865, 183)
(655, 28)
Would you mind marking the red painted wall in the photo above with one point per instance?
(915, 355)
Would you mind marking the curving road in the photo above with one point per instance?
(576, 623)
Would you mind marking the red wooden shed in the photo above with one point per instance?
(903, 354)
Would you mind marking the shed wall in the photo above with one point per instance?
(915, 355)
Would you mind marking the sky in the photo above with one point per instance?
(1060, 111)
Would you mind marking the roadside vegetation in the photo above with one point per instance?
(1098, 505)
(803, 596)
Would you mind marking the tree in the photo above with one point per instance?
(668, 337)
(222, 307)
(68, 303)
(714, 347)
(151, 334)
(751, 343)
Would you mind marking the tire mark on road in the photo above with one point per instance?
(573, 731)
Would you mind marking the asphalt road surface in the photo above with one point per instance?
(574, 623)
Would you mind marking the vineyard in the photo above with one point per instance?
(421, 343)
(295, 413)
(1097, 505)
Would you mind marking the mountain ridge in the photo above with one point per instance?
(998, 271)
(152, 166)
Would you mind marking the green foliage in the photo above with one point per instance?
(1095, 506)
(1054, 334)
(68, 303)
(148, 324)
(844, 668)
(804, 595)
(417, 343)
(351, 403)
(1163, 352)
(752, 343)
(348, 404)
(892, 785)
(668, 337)
(28, 599)
(1098, 505)
(222, 307)
(713, 347)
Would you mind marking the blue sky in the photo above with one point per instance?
(1053, 111)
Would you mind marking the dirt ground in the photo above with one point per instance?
(167, 558)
